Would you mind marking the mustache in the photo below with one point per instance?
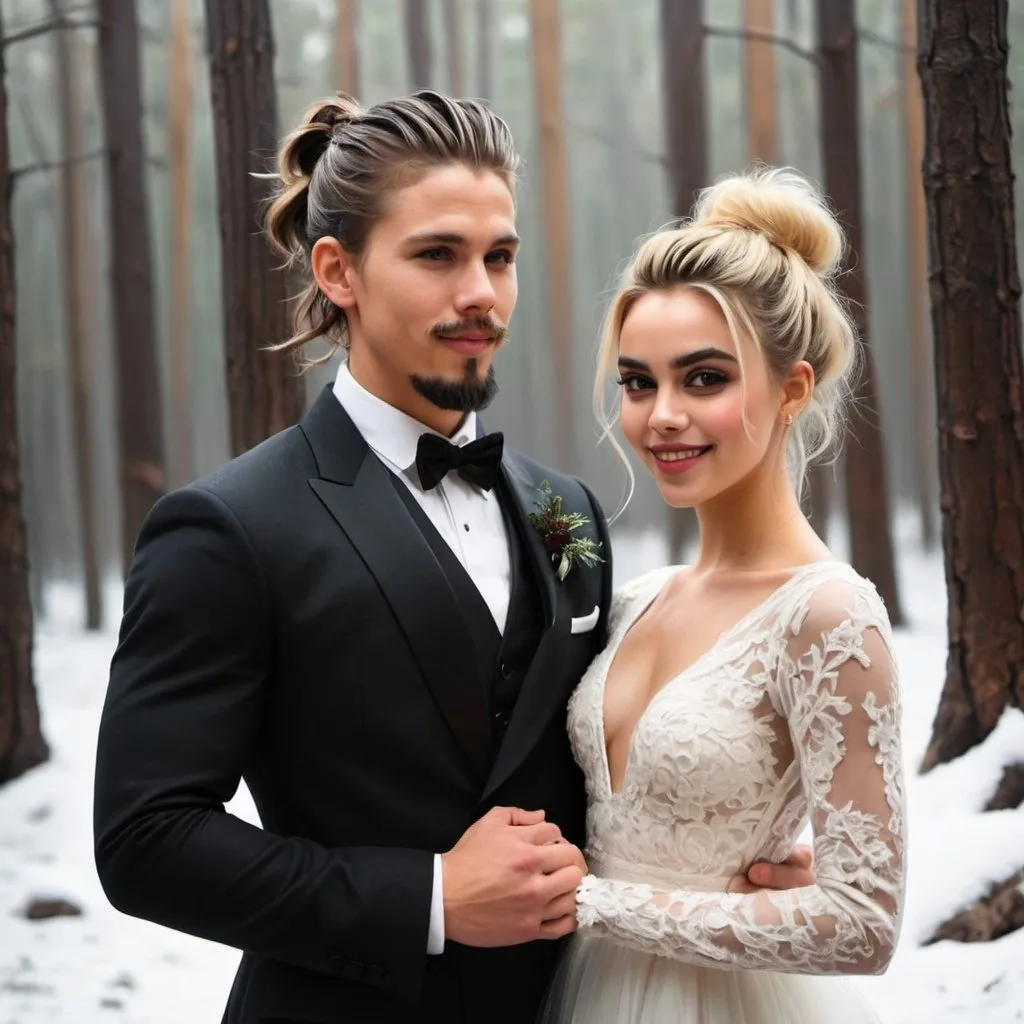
(484, 324)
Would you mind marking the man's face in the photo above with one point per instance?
(429, 301)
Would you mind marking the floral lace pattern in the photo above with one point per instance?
(793, 713)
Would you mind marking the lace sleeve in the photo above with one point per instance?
(836, 686)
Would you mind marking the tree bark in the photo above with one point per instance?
(79, 315)
(348, 47)
(867, 499)
(546, 40)
(453, 38)
(686, 144)
(140, 427)
(976, 324)
(264, 392)
(179, 140)
(759, 64)
(921, 368)
(417, 44)
(21, 741)
(485, 48)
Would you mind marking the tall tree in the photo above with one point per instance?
(684, 100)
(264, 392)
(921, 369)
(546, 45)
(485, 52)
(976, 324)
(866, 489)
(76, 250)
(419, 52)
(21, 741)
(453, 38)
(759, 81)
(348, 46)
(179, 139)
(135, 338)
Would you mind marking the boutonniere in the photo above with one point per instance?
(556, 528)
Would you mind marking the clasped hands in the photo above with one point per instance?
(512, 878)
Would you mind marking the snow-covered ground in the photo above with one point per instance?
(103, 967)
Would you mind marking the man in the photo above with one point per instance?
(360, 618)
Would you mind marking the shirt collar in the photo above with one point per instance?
(390, 433)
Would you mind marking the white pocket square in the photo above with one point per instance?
(585, 623)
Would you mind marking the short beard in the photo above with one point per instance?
(467, 395)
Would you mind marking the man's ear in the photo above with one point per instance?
(334, 271)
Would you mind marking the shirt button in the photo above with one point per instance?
(506, 670)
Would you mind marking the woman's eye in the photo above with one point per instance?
(707, 379)
(635, 384)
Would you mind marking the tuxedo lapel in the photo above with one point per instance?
(356, 489)
(541, 694)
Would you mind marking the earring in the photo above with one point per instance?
(789, 419)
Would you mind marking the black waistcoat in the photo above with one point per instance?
(503, 657)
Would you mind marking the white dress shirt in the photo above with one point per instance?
(468, 518)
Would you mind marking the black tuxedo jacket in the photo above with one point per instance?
(287, 623)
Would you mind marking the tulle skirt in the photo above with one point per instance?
(600, 982)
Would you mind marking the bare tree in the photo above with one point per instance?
(417, 44)
(348, 47)
(685, 103)
(546, 44)
(21, 741)
(264, 392)
(135, 338)
(453, 39)
(921, 368)
(976, 322)
(179, 141)
(76, 250)
(866, 489)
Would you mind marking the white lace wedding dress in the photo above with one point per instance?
(793, 712)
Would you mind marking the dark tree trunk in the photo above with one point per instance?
(264, 392)
(417, 44)
(21, 741)
(135, 340)
(975, 296)
(686, 141)
(79, 322)
(867, 500)
(546, 43)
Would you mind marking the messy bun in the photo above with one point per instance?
(765, 246)
(335, 170)
(780, 205)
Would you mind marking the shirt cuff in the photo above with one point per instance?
(435, 936)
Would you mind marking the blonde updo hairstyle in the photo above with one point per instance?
(336, 170)
(765, 246)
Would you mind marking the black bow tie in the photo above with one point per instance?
(478, 462)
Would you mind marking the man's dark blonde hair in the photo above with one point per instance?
(336, 170)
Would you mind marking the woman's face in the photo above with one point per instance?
(699, 426)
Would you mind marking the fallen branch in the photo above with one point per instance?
(43, 27)
(54, 165)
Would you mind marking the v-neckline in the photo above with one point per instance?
(623, 632)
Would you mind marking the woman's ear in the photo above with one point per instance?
(797, 390)
(334, 271)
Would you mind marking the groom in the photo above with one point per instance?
(360, 618)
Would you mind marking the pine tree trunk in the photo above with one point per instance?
(140, 427)
(921, 369)
(485, 50)
(348, 47)
(453, 39)
(417, 44)
(686, 138)
(867, 500)
(975, 297)
(264, 390)
(546, 40)
(79, 319)
(759, 64)
(21, 741)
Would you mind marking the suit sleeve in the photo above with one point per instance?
(600, 526)
(181, 722)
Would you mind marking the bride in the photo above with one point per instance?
(755, 688)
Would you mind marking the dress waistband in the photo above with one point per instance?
(648, 874)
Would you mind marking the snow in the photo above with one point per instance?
(104, 967)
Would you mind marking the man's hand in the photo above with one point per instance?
(511, 878)
(795, 872)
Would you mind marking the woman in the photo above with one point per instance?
(754, 688)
